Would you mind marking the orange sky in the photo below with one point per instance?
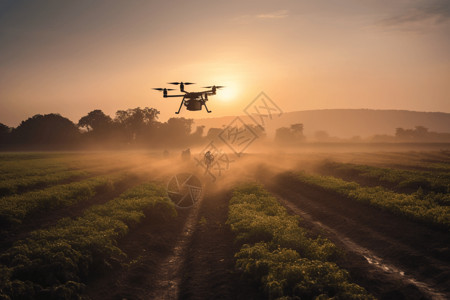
(73, 57)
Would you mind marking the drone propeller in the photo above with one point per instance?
(177, 83)
(217, 87)
(160, 89)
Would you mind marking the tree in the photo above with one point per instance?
(322, 136)
(46, 130)
(135, 122)
(95, 121)
(213, 133)
(199, 130)
(400, 132)
(258, 130)
(197, 136)
(293, 134)
(283, 135)
(4, 134)
(176, 131)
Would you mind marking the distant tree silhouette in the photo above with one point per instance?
(4, 134)
(199, 130)
(322, 136)
(136, 123)
(291, 135)
(100, 129)
(197, 136)
(258, 130)
(213, 133)
(96, 121)
(176, 132)
(420, 134)
(180, 126)
(46, 130)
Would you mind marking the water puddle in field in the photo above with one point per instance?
(369, 256)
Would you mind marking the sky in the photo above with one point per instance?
(71, 57)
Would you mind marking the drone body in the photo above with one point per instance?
(192, 100)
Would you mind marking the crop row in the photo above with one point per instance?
(14, 170)
(432, 208)
(427, 161)
(400, 179)
(55, 263)
(25, 183)
(41, 178)
(56, 163)
(279, 255)
(14, 209)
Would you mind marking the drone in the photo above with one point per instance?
(192, 100)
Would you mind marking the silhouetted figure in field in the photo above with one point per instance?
(186, 154)
(209, 159)
(165, 153)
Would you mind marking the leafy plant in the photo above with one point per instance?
(432, 208)
(278, 254)
(53, 263)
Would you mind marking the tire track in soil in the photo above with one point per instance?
(376, 269)
(208, 270)
(168, 276)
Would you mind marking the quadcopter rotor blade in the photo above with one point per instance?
(161, 89)
(217, 87)
(177, 83)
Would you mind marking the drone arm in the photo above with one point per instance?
(167, 96)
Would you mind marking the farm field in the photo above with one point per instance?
(99, 225)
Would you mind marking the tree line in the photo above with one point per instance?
(131, 127)
(139, 127)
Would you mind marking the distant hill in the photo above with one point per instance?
(347, 123)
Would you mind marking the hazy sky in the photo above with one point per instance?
(71, 57)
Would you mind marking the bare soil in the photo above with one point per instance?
(208, 271)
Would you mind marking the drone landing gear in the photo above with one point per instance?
(206, 108)
(181, 105)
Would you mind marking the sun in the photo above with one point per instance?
(228, 93)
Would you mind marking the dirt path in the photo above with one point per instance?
(208, 271)
(169, 275)
(392, 257)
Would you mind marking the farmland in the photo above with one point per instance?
(100, 226)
